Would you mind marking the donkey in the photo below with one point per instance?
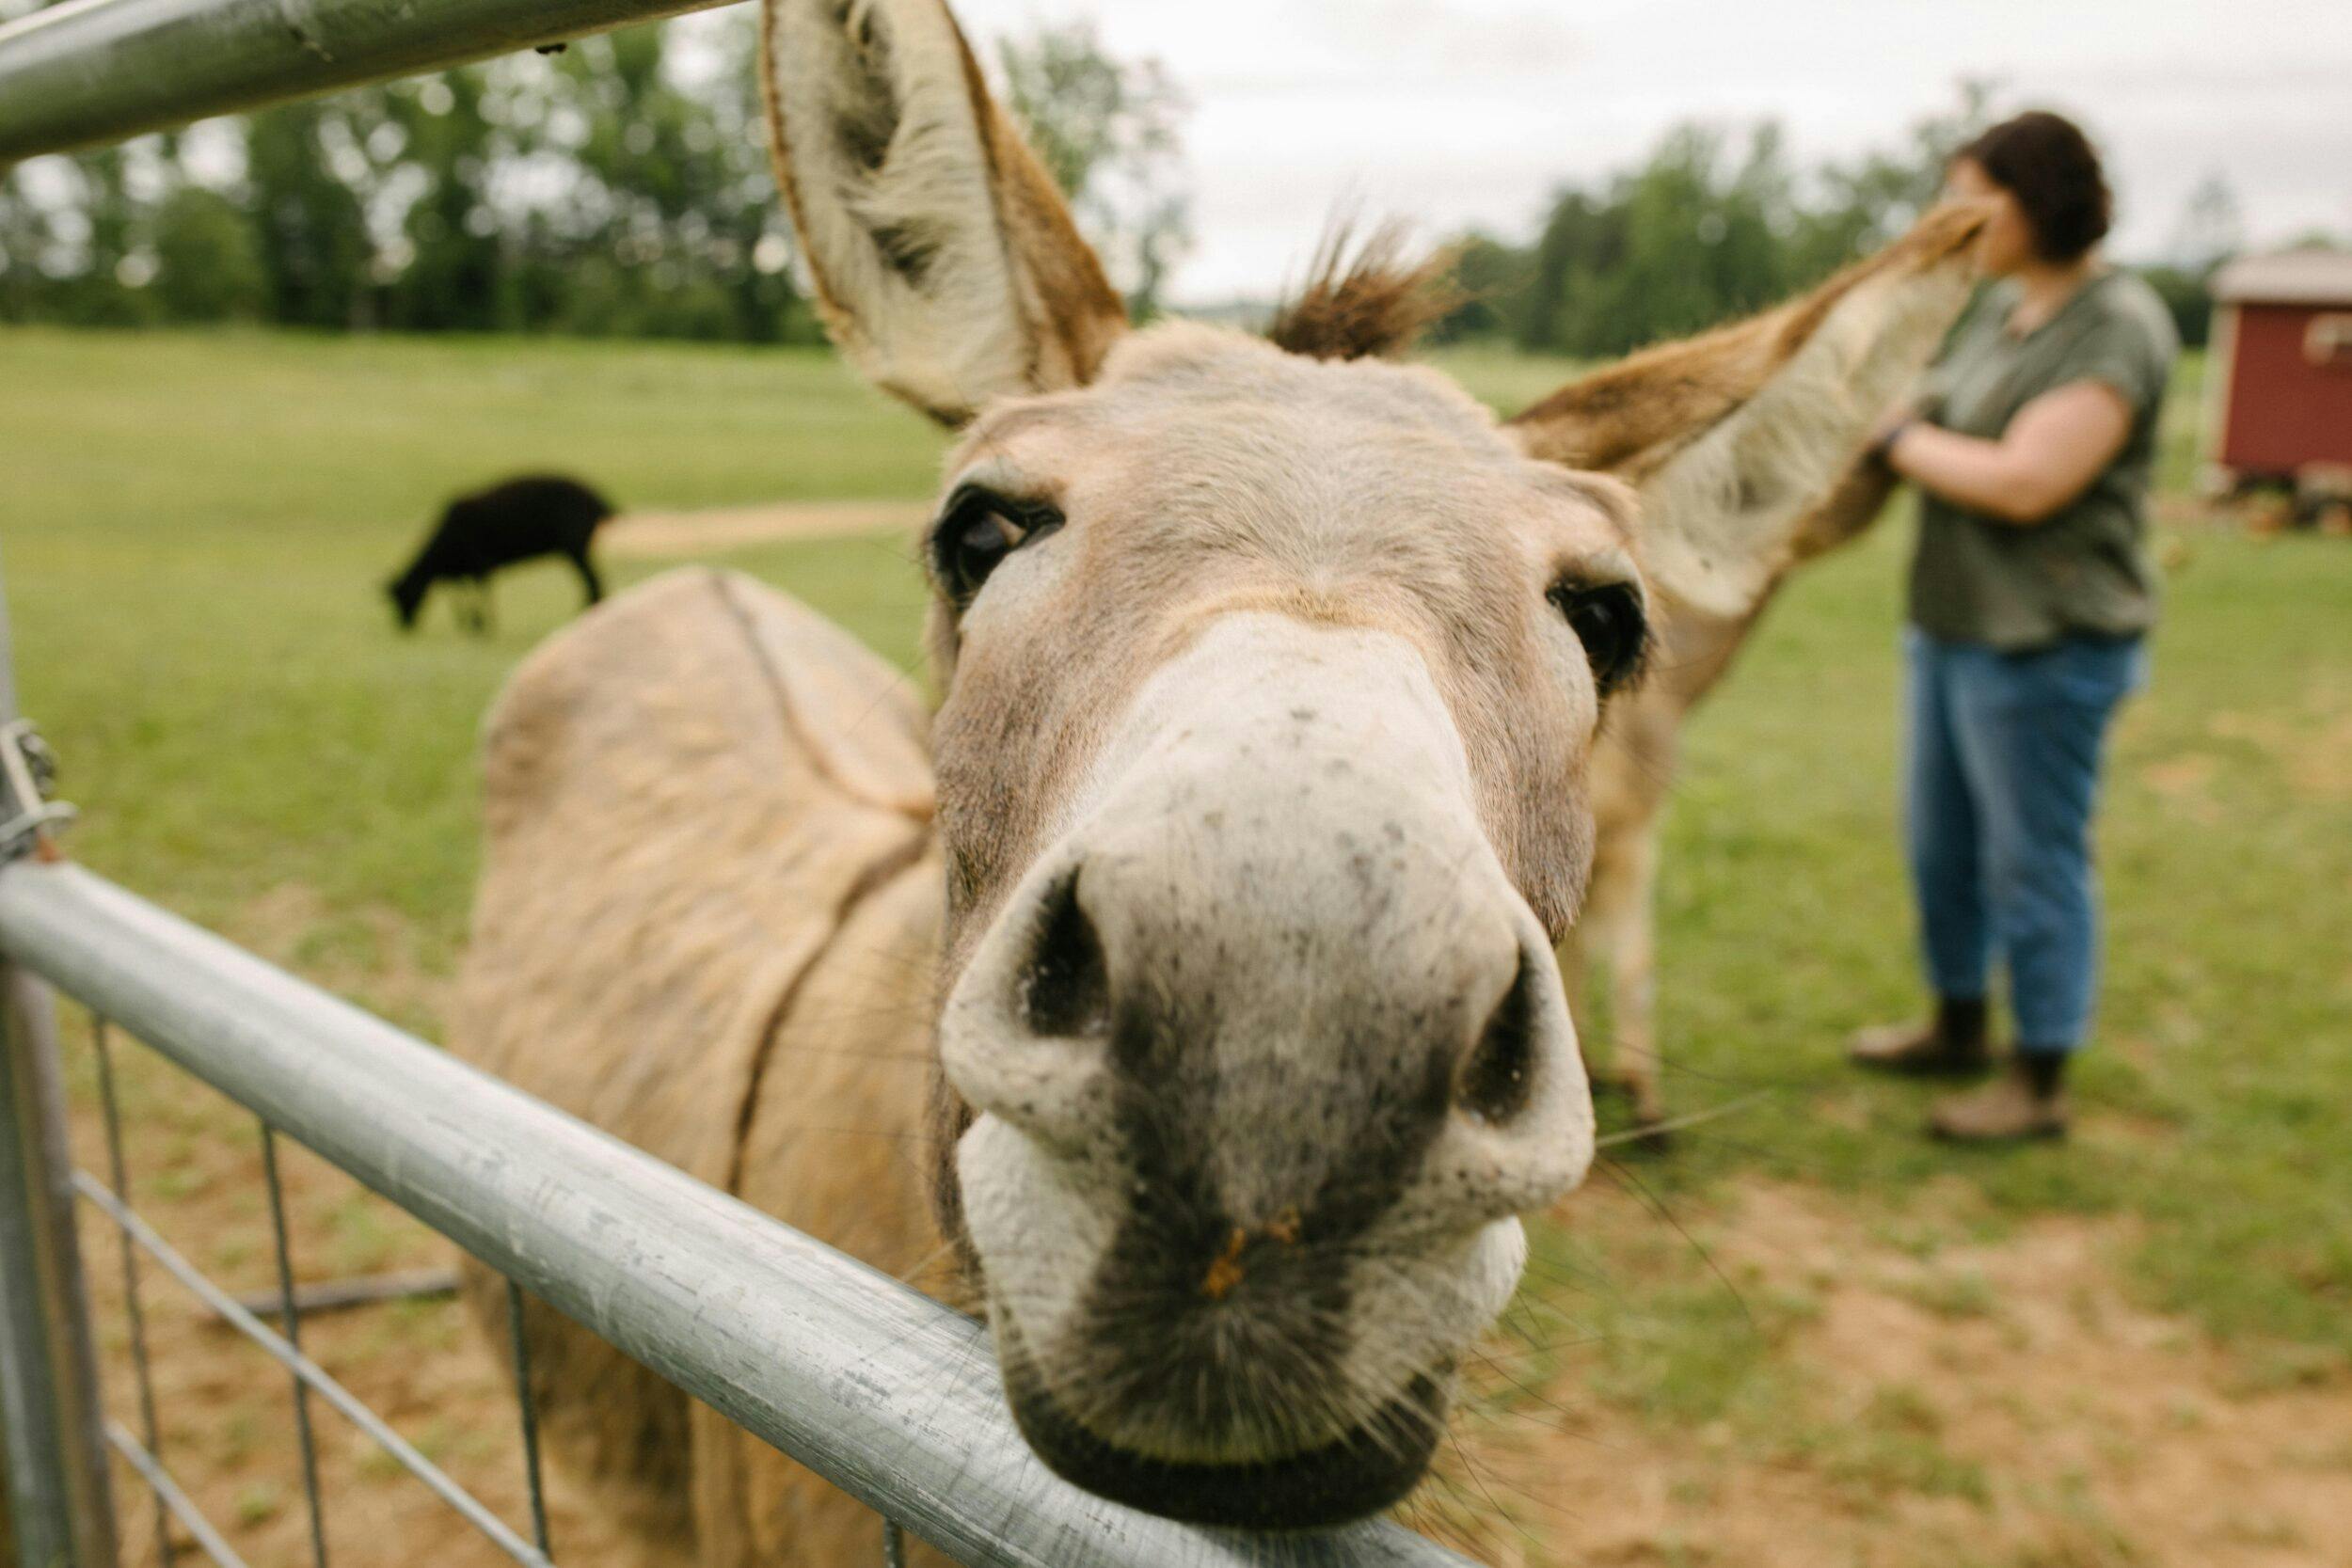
(1180, 993)
(1737, 445)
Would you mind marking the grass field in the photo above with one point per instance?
(1808, 1336)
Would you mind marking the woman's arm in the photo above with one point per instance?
(2049, 454)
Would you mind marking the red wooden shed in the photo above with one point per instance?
(2279, 393)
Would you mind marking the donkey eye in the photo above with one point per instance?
(1607, 619)
(979, 544)
(978, 529)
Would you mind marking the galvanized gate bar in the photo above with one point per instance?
(53, 1492)
(885, 1392)
(172, 1501)
(99, 70)
(49, 1431)
(134, 1314)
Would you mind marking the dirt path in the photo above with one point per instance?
(673, 533)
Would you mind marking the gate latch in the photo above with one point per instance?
(27, 770)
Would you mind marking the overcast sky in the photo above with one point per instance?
(1460, 112)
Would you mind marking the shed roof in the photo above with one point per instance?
(2289, 277)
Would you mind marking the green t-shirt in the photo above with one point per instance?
(2086, 568)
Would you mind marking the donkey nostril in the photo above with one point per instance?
(1497, 1078)
(1069, 993)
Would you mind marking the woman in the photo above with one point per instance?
(2030, 594)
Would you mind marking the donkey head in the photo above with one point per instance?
(1270, 683)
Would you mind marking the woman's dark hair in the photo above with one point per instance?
(2049, 166)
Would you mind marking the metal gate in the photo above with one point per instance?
(885, 1393)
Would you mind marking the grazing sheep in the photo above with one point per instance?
(519, 520)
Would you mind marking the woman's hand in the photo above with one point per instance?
(1899, 414)
(2049, 454)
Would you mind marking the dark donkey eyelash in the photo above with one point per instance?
(1027, 513)
(1030, 517)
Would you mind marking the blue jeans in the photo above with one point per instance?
(2002, 776)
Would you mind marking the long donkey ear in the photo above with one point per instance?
(946, 262)
(1745, 444)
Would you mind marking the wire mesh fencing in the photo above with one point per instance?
(881, 1391)
(143, 1452)
(142, 1250)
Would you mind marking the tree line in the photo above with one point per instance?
(621, 187)
(593, 191)
(1712, 227)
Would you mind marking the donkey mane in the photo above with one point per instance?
(1363, 301)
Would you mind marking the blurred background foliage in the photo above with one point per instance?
(620, 188)
(1613, 266)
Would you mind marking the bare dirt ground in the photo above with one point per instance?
(661, 534)
(1951, 1405)
(1985, 1405)
(225, 1410)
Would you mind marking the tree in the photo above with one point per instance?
(750, 243)
(208, 263)
(1486, 275)
(451, 235)
(100, 230)
(1583, 239)
(688, 237)
(1108, 133)
(2210, 229)
(28, 240)
(1869, 201)
(310, 228)
(1696, 234)
(2207, 233)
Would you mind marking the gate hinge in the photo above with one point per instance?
(27, 770)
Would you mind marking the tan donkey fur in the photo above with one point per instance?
(1180, 994)
(706, 722)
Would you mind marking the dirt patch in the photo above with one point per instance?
(2314, 753)
(1984, 1404)
(371, 954)
(2186, 782)
(661, 534)
(1899, 1400)
(225, 1411)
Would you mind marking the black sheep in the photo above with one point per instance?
(520, 520)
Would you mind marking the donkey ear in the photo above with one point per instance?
(946, 264)
(1745, 445)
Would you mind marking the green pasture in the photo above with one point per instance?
(194, 530)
